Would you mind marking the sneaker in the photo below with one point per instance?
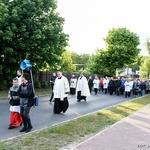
(11, 127)
(23, 129)
(29, 129)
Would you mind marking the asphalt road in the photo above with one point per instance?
(42, 116)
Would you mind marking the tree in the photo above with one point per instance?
(145, 67)
(80, 60)
(147, 43)
(122, 45)
(30, 29)
(136, 65)
(121, 50)
(75, 57)
(97, 63)
(66, 63)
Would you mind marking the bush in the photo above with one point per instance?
(3, 86)
(44, 85)
(37, 85)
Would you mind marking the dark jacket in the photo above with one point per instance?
(15, 98)
(52, 81)
(111, 83)
(90, 82)
(118, 83)
(143, 86)
(25, 92)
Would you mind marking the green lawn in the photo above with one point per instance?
(62, 135)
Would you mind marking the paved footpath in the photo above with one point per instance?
(131, 133)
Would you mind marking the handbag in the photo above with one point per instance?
(35, 101)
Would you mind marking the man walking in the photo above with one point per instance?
(52, 82)
(25, 92)
(82, 88)
(61, 91)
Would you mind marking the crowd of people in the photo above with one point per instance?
(113, 85)
(83, 88)
(21, 93)
(120, 86)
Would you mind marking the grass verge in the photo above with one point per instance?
(62, 135)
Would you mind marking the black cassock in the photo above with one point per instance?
(60, 106)
(72, 91)
(79, 97)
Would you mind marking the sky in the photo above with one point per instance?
(88, 21)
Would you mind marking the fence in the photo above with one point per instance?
(44, 77)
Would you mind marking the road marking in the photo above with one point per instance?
(74, 112)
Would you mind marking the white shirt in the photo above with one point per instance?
(14, 108)
(96, 83)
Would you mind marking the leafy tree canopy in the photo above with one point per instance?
(30, 29)
(147, 43)
(136, 65)
(123, 45)
(66, 64)
(80, 60)
(121, 50)
(145, 67)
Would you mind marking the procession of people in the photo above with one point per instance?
(21, 94)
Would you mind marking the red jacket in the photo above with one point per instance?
(101, 82)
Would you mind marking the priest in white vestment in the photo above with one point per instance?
(82, 88)
(61, 91)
